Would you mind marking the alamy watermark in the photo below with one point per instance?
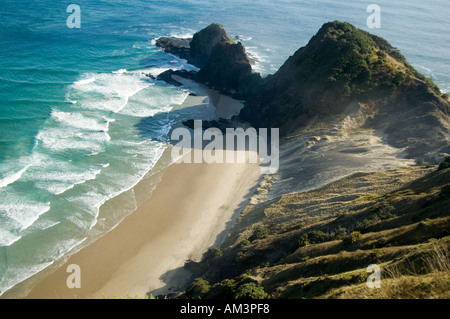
(74, 20)
(236, 146)
(74, 279)
(374, 280)
(374, 20)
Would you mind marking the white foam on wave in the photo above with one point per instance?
(7, 238)
(157, 71)
(84, 81)
(56, 140)
(71, 131)
(17, 275)
(153, 101)
(23, 213)
(256, 58)
(149, 153)
(78, 120)
(115, 90)
(58, 183)
(121, 71)
(242, 38)
(57, 177)
(183, 35)
(11, 178)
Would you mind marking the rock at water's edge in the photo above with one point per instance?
(175, 46)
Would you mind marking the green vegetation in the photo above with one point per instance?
(197, 288)
(342, 61)
(313, 237)
(250, 291)
(352, 238)
(379, 212)
(261, 232)
(214, 252)
(223, 290)
(245, 243)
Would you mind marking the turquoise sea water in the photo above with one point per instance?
(70, 99)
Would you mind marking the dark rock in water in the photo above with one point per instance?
(224, 64)
(198, 49)
(175, 46)
(149, 75)
(192, 94)
(227, 68)
(204, 41)
(166, 76)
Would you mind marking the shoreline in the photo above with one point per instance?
(187, 212)
(133, 258)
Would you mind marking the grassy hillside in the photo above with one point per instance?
(318, 244)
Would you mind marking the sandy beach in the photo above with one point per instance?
(190, 210)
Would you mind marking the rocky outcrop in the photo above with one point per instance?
(204, 41)
(167, 76)
(175, 46)
(224, 64)
(196, 50)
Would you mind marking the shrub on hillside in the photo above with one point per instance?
(223, 290)
(352, 238)
(314, 237)
(214, 252)
(261, 232)
(197, 288)
(250, 291)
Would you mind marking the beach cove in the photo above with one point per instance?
(190, 210)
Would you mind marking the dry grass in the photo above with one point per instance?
(421, 274)
(406, 233)
(428, 277)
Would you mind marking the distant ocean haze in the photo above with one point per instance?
(72, 101)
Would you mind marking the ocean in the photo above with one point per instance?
(72, 101)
